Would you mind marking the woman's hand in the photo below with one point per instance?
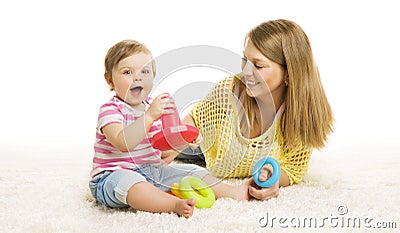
(263, 193)
(168, 156)
(196, 143)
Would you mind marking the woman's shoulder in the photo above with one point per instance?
(229, 81)
(226, 84)
(221, 90)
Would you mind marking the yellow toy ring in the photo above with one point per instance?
(192, 187)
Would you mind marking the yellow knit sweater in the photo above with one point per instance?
(230, 155)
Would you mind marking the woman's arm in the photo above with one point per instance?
(294, 165)
(169, 155)
(284, 179)
(189, 120)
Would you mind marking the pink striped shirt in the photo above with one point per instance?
(108, 157)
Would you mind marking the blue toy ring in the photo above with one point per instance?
(275, 175)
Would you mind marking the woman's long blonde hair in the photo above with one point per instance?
(308, 117)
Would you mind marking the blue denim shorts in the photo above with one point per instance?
(111, 187)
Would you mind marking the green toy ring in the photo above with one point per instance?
(192, 187)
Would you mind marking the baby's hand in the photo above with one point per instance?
(162, 104)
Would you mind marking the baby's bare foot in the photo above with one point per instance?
(185, 207)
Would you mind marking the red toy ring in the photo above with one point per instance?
(173, 134)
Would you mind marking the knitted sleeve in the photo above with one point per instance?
(293, 161)
(213, 107)
(208, 115)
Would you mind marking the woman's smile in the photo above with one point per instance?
(251, 84)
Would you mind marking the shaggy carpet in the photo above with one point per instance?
(45, 189)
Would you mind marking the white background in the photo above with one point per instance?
(52, 52)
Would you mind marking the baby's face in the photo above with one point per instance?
(133, 78)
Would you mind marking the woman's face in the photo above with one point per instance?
(261, 75)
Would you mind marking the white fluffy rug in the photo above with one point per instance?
(46, 190)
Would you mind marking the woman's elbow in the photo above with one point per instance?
(284, 179)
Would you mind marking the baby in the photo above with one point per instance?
(127, 170)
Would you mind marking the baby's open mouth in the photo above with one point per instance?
(136, 90)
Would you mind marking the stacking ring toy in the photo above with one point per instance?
(173, 134)
(192, 187)
(275, 175)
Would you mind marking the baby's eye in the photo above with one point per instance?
(145, 71)
(128, 72)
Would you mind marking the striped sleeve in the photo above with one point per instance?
(110, 112)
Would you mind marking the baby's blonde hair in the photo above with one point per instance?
(308, 117)
(121, 50)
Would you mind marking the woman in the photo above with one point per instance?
(276, 106)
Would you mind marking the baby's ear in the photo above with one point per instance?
(108, 79)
